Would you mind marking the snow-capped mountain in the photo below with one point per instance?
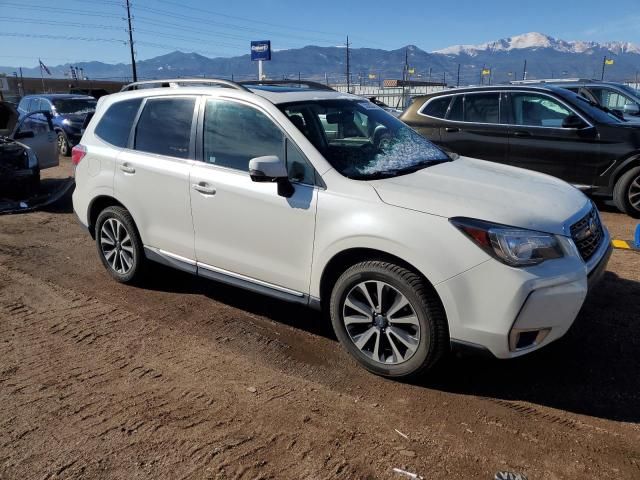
(536, 40)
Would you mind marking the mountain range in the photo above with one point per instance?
(546, 57)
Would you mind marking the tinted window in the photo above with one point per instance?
(537, 110)
(456, 111)
(611, 98)
(115, 124)
(437, 107)
(74, 105)
(482, 108)
(235, 133)
(164, 127)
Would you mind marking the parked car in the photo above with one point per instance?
(24, 152)
(544, 128)
(324, 199)
(68, 113)
(617, 97)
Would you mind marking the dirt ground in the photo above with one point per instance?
(185, 378)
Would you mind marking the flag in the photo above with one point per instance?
(44, 67)
(372, 76)
(486, 71)
(608, 61)
(412, 71)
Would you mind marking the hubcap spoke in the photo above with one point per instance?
(399, 302)
(362, 287)
(397, 356)
(356, 319)
(363, 338)
(408, 320)
(379, 288)
(401, 335)
(358, 306)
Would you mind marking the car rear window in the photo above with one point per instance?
(437, 107)
(115, 125)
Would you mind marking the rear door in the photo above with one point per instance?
(152, 175)
(474, 127)
(538, 141)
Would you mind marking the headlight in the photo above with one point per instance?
(32, 159)
(514, 246)
(66, 121)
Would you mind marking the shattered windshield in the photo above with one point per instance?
(361, 140)
(74, 105)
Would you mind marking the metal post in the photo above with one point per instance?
(604, 62)
(458, 81)
(133, 58)
(348, 68)
(21, 90)
(260, 70)
(524, 71)
(42, 77)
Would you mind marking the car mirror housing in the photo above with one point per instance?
(631, 109)
(271, 169)
(573, 121)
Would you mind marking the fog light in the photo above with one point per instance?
(524, 339)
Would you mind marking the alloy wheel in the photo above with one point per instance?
(634, 193)
(381, 322)
(62, 144)
(116, 246)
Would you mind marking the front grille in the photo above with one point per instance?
(587, 233)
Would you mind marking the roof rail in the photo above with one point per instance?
(552, 80)
(179, 82)
(276, 83)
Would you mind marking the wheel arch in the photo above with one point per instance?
(344, 259)
(97, 205)
(630, 162)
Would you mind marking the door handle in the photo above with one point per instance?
(204, 188)
(127, 168)
(452, 129)
(521, 134)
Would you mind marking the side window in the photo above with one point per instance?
(23, 106)
(482, 108)
(235, 133)
(298, 166)
(456, 111)
(437, 107)
(611, 98)
(538, 110)
(115, 125)
(164, 127)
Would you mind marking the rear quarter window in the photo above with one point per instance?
(437, 107)
(115, 125)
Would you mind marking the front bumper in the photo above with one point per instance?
(511, 311)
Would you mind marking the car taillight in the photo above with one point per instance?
(77, 154)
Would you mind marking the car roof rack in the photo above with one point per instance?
(179, 82)
(282, 83)
(553, 80)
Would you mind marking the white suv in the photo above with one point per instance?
(324, 199)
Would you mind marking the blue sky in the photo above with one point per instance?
(95, 29)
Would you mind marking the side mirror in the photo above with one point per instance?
(271, 169)
(573, 121)
(24, 134)
(631, 108)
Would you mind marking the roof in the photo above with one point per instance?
(58, 96)
(280, 95)
(544, 87)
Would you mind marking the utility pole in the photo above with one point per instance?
(133, 58)
(458, 80)
(348, 68)
(604, 63)
(444, 78)
(524, 71)
(21, 83)
(429, 75)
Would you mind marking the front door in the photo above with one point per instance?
(152, 175)
(42, 140)
(539, 141)
(474, 128)
(244, 229)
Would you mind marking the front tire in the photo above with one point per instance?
(389, 319)
(119, 245)
(626, 193)
(64, 148)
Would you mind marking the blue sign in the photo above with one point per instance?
(260, 50)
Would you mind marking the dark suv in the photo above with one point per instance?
(543, 128)
(68, 112)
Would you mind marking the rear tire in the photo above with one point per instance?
(384, 337)
(626, 193)
(119, 245)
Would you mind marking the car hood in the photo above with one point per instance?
(488, 191)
